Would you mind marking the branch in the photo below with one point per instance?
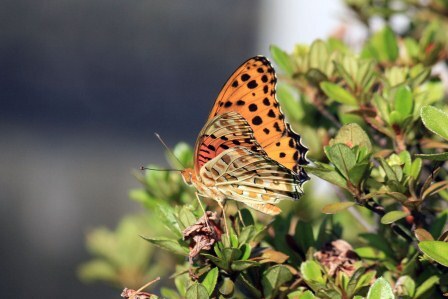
(398, 229)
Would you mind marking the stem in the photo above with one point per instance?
(398, 229)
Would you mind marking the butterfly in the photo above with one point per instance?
(246, 151)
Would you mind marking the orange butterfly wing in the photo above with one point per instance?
(250, 91)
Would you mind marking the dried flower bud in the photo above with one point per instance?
(338, 256)
(129, 293)
(203, 234)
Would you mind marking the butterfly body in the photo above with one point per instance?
(246, 151)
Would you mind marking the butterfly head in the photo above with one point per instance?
(188, 176)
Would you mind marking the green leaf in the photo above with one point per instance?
(337, 93)
(248, 286)
(186, 217)
(282, 59)
(358, 172)
(273, 278)
(383, 45)
(326, 174)
(434, 157)
(354, 282)
(231, 254)
(184, 153)
(393, 216)
(312, 272)
(246, 249)
(169, 244)
(352, 135)
(288, 99)
(301, 295)
(426, 287)
(166, 215)
(390, 43)
(337, 207)
(223, 264)
(403, 101)
(169, 293)
(196, 291)
(243, 265)
(342, 157)
(436, 250)
(227, 287)
(390, 173)
(318, 55)
(210, 280)
(405, 157)
(246, 234)
(416, 167)
(435, 120)
(381, 289)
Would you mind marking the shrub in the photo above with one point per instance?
(377, 131)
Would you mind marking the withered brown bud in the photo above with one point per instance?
(203, 234)
(129, 293)
(338, 256)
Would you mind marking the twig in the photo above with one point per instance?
(398, 229)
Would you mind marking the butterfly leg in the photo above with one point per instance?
(203, 210)
(224, 216)
(239, 213)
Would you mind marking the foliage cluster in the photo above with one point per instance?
(377, 128)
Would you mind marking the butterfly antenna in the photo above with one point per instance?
(168, 149)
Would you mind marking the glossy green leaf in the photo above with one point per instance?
(248, 286)
(337, 207)
(393, 216)
(246, 249)
(196, 291)
(358, 172)
(390, 173)
(436, 250)
(328, 175)
(435, 120)
(352, 135)
(338, 93)
(301, 295)
(416, 167)
(403, 101)
(243, 265)
(426, 287)
(227, 287)
(342, 157)
(381, 289)
(273, 278)
(210, 280)
(311, 271)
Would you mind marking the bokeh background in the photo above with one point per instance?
(83, 86)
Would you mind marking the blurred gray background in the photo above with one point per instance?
(83, 86)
